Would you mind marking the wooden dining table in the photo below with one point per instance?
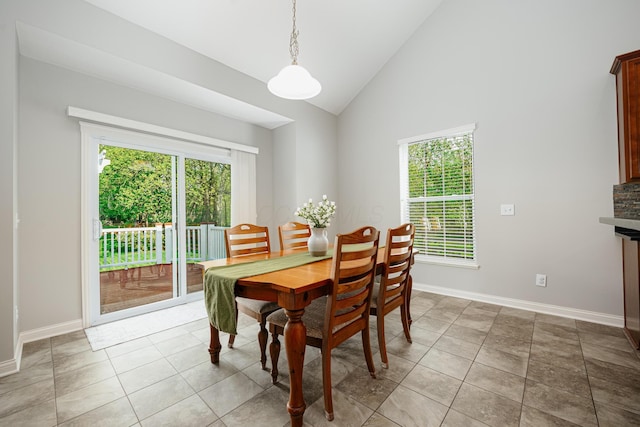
(293, 289)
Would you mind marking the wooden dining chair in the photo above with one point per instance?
(242, 240)
(393, 289)
(344, 312)
(294, 235)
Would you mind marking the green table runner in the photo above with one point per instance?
(219, 284)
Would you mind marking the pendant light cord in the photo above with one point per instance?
(294, 50)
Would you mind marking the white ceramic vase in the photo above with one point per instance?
(318, 243)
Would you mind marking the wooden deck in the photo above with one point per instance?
(122, 289)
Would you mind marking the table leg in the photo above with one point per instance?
(214, 344)
(295, 337)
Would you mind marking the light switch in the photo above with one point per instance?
(507, 210)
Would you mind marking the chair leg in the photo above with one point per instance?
(381, 340)
(366, 344)
(404, 315)
(274, 351)
(326, 383)
(263, 335)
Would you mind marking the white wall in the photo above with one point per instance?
(534, 76)
(8, 184)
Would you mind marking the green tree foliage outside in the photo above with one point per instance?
(441, 196)
(136, 189)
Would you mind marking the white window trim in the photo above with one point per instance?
(155, 129)
(439, 134)
(404, 187)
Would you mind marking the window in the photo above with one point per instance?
(437, 194)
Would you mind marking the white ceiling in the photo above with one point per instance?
(343, 43)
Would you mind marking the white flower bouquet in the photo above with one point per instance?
(318, 215)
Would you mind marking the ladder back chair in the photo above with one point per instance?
(394, 288)
(335, 318)
(248, 239)
(294, 235)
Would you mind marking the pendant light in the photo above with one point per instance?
(294, 81)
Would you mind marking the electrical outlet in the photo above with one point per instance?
(541, 280)
(507, 210)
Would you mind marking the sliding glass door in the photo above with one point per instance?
(155, 210)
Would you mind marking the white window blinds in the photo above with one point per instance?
(437, 194)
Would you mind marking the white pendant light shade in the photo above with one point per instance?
(294, 82)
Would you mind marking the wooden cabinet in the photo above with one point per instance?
(626, 68)
(631, 268)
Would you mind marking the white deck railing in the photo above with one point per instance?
(125, 247)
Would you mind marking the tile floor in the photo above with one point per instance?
(470, 364)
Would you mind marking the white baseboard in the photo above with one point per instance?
(13, 365)
(8, 367)
(50, 331)
(573, 313)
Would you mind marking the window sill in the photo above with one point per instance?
(447, 262)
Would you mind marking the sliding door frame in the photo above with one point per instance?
(92, 136)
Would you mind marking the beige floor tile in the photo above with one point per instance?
(41, 414)
(24, 397)
(561, 404)
(496, 381)
(82, 377)
(26, 376)
(501, 360)
(377, 420)
(190, 412)
(613, 394)
(430, 324)
(466, 334)
(446, 363)
(421, 336)
(487, 407)
(206, 374)
(599, 329)
(87, 399)
(169, 380)
(458, 419)
(612, 372)
(622, 358)
(268, 407)
(475, 320)
(221, 401)
(128, 347)
(508, 344)
(146, 375)
(117, 413)
(611, 416)
(371, 392)
(159, 396)
(462, 348)
(556, 320)
(134, 359)
(78, 360)
(605, 340)
(432, 384)
(409, 408)
(194, 356)
(559, 378)
(532, 417)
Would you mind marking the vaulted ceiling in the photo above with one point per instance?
(343, 43)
